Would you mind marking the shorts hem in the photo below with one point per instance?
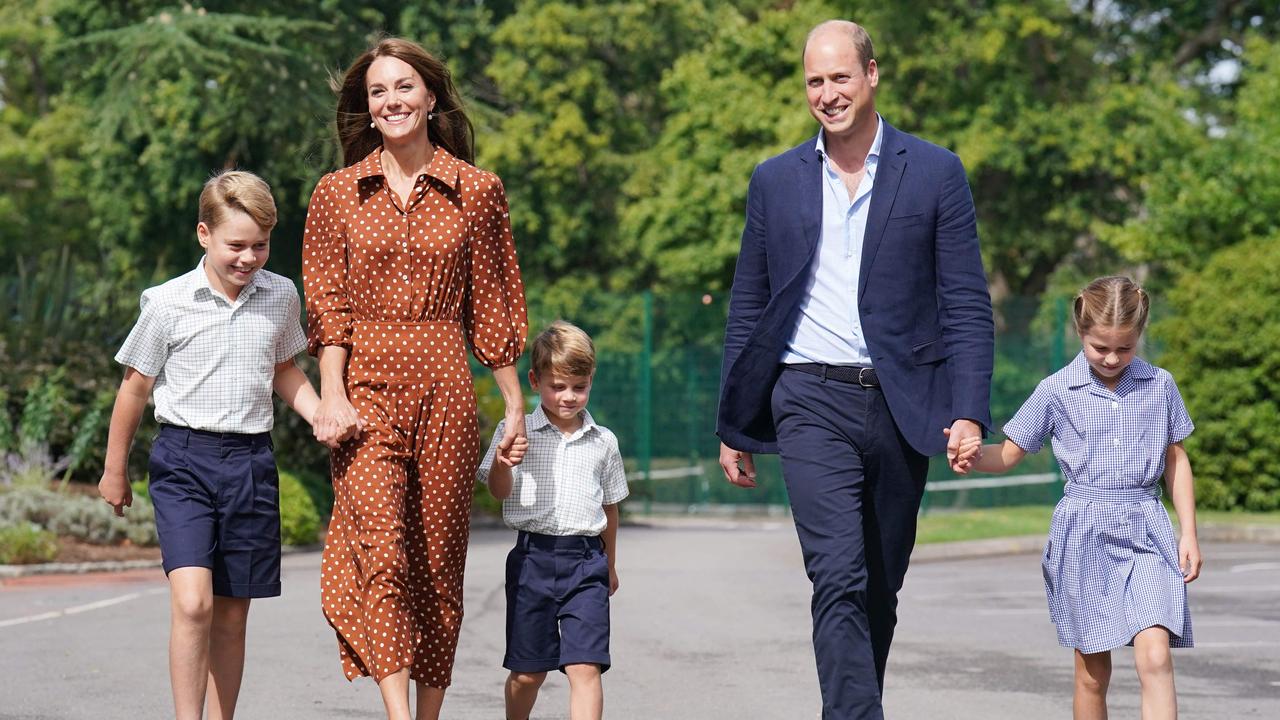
(531, 666)
(601, 660)
(260, 590)
(169, 566)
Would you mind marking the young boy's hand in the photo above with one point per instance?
(613, 581)
(114, 488)
(514, 455)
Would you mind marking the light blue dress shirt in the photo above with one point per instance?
(829, 329)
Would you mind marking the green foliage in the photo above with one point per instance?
(1222, 344)
(1098, 137)
(78, 516)
(25, 543)
(1223, 190)
(299, 518)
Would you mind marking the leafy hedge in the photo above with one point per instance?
(77, 516)
(1222, 344)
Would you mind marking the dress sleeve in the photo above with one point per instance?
(495, 314)
(324, 271)
(1180, 425)
(1034, 420)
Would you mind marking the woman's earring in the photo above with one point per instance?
(431, 115)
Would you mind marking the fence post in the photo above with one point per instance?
(646, 400)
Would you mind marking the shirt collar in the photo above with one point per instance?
(200, 282)
(537, 420)
(1079, 375)
(443, 166)
(873, 155)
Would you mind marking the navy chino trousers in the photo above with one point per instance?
(855, 486)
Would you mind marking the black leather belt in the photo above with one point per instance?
(864, 376)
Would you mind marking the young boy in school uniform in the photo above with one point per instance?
(561, 492)
(213, 344)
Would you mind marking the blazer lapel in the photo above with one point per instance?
(885, 190)
(809, 187)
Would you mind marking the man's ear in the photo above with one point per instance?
(202, 234)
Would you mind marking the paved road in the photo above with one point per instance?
(711, 622)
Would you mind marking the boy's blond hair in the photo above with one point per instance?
(237, 190)
(564, 349)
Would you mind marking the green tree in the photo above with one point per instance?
(1222, 344)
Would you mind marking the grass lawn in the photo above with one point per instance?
(951, 525)
(1220, 517)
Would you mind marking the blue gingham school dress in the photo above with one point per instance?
(1111, 561)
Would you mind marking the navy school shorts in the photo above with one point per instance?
(557, 603)
(217, 502)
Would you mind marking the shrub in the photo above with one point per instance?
(299, 519)
(78, 516)
(1222, 344)
(24, 543)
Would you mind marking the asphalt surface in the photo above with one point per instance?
(710, 622)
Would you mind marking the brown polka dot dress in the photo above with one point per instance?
(406, 290)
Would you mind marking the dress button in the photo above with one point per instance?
(1116, 442)
(1114, 404)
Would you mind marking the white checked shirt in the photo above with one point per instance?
(214, 360)
(564, 482)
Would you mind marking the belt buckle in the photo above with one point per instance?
(861, 373)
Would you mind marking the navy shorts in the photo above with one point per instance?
(217, 501)
(557, 603)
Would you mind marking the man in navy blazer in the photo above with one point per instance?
(859, 337)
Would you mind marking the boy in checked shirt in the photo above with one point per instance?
(213, 344)
(561, 492)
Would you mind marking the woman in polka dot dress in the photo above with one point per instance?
(407, 260)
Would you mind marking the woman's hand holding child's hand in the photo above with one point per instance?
(1189, 557)
(336, 421)
(514, 455)
(514, 439)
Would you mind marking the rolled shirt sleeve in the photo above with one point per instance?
(147, 347)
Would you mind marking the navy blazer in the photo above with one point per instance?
(922, 293)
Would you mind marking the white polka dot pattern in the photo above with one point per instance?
(406, 290)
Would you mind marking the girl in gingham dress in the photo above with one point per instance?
(1113, 571)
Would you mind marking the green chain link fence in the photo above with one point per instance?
(657, 383)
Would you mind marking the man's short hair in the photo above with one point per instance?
(564, 349)
(861, 39)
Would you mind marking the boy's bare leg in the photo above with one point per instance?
(1093, 675)
(1155, 672)
(586, 693)
(521, 692)
(395, 695)
(430, 700)
(190, 615)
(226, 655)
